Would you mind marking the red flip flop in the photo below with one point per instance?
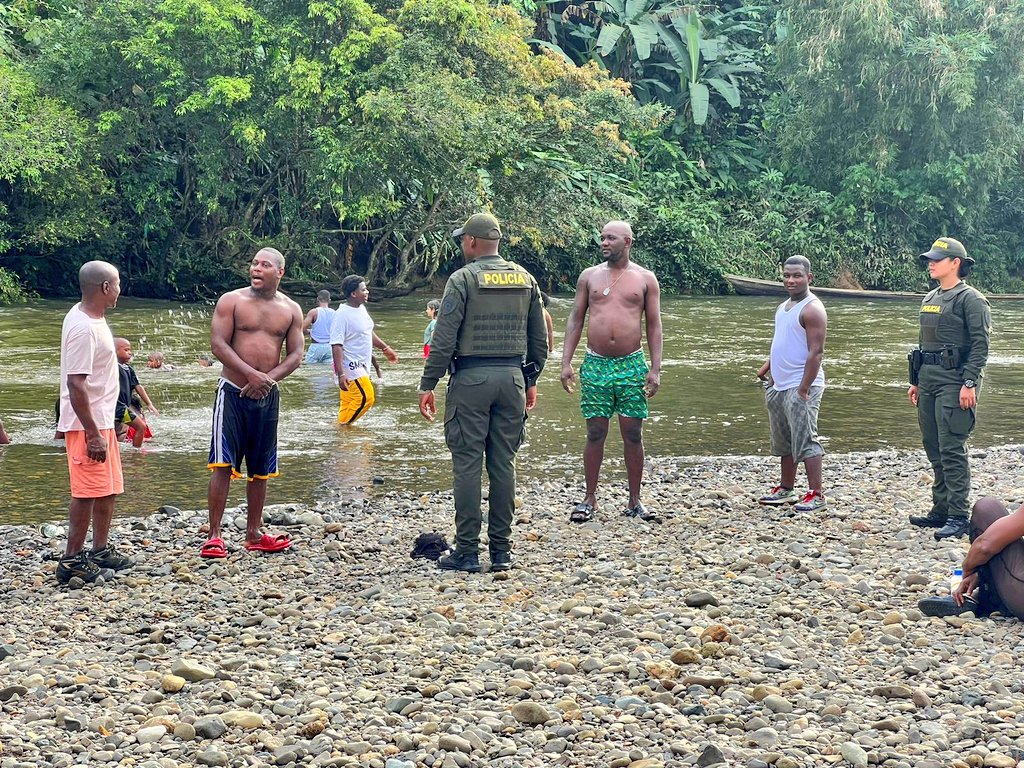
(213, 549)
(268, 543)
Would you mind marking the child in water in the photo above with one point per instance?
(433, 310)
(127, 412)
(155, 361)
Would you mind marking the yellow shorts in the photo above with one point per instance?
(356, 400)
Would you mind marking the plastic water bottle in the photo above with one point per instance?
(955, 577)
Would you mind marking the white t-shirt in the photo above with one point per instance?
(353, 329)
(87, 346)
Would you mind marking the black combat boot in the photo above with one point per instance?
(955, 527)
(500, 561)
(460, 561)
(932, 520)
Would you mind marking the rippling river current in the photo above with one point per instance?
(709, 403)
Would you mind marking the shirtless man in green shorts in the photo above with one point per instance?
(622, 298)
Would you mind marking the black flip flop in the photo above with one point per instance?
(641, 511)
(582, 513)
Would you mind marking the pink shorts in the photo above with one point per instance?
(93, 479)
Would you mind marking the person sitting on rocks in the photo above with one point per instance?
(993, 568)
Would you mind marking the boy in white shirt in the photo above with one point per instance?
(352, 344)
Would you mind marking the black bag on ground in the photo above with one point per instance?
(429, 546)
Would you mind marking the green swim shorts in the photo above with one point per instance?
(613, 385)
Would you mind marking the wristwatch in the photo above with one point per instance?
(970, 383)
(424, 391)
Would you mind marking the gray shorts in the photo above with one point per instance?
(319, 352)
(794, 422)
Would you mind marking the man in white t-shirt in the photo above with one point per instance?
(88, 396)
(352, 343)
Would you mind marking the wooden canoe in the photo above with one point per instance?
(752, 286)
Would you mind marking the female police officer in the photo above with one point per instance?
(946, 374)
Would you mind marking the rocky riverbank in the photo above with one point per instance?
(728, 634)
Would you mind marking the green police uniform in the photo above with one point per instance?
(954, 337)
(491, 319)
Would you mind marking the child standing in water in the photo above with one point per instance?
(126, 412)
(433, 309)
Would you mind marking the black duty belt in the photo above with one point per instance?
(949, 358)
(480, 361)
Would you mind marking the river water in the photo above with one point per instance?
(709, 402)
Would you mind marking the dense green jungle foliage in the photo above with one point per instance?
(174, 137)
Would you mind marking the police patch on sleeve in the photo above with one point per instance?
(501, 278)
(449, 305)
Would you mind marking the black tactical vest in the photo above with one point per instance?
(498, 295)
(943, 322)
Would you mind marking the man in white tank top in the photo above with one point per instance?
(794, 382)
(318, 325)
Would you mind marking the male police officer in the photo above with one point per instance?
(491, 317)
(945, 375)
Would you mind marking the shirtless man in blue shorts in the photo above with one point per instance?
(622, 298)
(250, 326)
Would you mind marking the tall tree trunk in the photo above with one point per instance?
(405, 264)
(371, 264)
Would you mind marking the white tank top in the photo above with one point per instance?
(320, 330)
(789, 347)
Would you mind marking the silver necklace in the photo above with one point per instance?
(611, 284)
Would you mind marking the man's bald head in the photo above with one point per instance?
(93, 274)
(621, 228)
(273, 254)
(616, 239)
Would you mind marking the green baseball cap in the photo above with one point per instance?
(481, 225)
(947, 248)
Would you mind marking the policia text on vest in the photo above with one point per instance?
(496, 279)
